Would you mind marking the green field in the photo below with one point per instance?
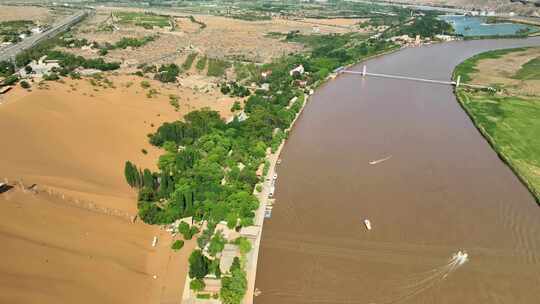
(530, 70)
(510, 123)
(146, 20)
(201, 63)
(217, 67)
(189, 61)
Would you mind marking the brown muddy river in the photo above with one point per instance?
(443, 190)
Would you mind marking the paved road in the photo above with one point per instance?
(62, 25)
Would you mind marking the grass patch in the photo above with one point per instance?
(509, 123)
(217, 67)
(530, 70)
(201, 64)
(512, 126)
(146, 20)
(204, 296)
(189, 61)
(246, 71)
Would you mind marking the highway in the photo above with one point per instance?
(13, 50)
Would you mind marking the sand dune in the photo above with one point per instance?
(74, 138)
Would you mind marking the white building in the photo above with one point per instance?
(265, 87)
(37, 30)
(297, 70)
(40, 67)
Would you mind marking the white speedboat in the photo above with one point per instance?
(374, 162)
(368, 224)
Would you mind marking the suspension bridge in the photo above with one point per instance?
(455, 83)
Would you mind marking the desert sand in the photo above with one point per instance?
(67, 241)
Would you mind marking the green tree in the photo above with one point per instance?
(25, 84)
(244, 244)
(177, 245)
(198, 265)
(233, 287)
(217, 244)
(131, 174)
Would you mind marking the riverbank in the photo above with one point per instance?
(265, 203)
(508, 119)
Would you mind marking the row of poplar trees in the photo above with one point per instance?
(137, 178)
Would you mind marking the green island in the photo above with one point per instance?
(508, 117)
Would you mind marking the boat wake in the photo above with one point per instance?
(412, 287)
(428, 280)
(378, 161)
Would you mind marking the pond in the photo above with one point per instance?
(477, 26)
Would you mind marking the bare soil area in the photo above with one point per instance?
(501, 71)
(221, 37)
(57, 253)
(34, 13)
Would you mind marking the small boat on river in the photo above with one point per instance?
(374, 162)
(368, 224)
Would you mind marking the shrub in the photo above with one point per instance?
(244, 244)
(203, 296)
(25, 84)
(51, 76)
(145, 84)
(167, 73)
(74, 75)
(236, 107)
(258, 188)
(197, 285)
(173, 100)
(177, 245)
(10, 80)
